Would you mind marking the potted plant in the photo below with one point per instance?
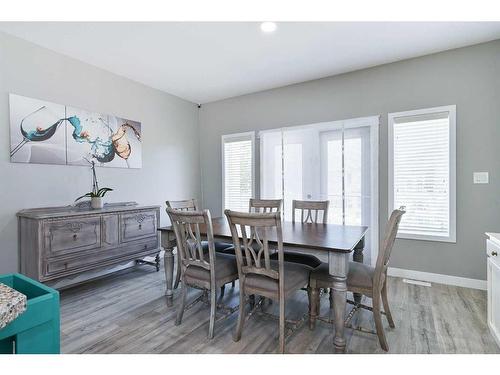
(96, 194)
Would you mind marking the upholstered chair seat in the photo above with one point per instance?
(295, 275)
(305, 259)
(360, 275)
(220, 247)
(225, 269)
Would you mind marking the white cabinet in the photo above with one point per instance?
(493, 264)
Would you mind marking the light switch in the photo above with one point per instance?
(481, 177)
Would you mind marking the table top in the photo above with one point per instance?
(328, 237)
(12, 304)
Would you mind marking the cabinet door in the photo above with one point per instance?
(66, 236)
(494, 298)
(138, 225)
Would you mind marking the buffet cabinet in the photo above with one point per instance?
(493, 283)
(58, 242)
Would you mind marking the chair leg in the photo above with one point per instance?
(377, 316)
(233, 283)
(251, 300)
(213, 306)
(313, 307)
(178, 273)
(282, 324)
(331, 298)
(241, 317)
(182, 304)
(222, 290)
(387, 310)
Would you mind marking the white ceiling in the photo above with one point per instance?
(204, 62)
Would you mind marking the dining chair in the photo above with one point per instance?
(310, 212)
(200, 269)
(259, 205)
(264, 205)
(365, 280)
(258, 274)
(192, 205)
(308, 209)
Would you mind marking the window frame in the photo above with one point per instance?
(235, 137)
(451, 109)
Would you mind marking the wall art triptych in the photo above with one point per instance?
(49, 133)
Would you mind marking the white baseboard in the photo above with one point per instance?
(438, 278)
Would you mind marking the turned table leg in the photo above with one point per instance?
(338, 269)
(168, 260)
(358, 257)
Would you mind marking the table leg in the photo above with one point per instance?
(358, 256)
(168, 260)
(338, 269)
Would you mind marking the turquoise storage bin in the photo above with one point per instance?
(37, 330)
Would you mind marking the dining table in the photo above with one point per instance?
(331, 243)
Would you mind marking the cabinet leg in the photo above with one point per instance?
(157, 262)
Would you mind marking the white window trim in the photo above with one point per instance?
(451, 109)
(236, 137)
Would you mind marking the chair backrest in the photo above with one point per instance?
(264, 205)
(252, 250)
(385, 250)
(187, 232)
(184, 205)
(307, 208)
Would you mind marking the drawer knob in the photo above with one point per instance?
(75, 237)
(494, 253)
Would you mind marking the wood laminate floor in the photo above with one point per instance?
(127, 313)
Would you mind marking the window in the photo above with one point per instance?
(422, 172)
(237, 170)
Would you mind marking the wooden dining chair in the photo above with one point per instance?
(310, 212)
(192, 205)
(365, 280)
(200, 269)
(259, 275)
(264, 205)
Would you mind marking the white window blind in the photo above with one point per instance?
(238, 170)
(422, 172)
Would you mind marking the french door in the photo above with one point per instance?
(335, 161)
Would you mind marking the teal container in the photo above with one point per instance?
(36, 330)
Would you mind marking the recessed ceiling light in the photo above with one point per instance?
(268, 27)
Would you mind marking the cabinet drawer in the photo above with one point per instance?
(138, 225)
(74, 264)
(69, 236)
(58, 266)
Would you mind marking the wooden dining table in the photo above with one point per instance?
(333, 244)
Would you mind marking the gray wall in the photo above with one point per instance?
(169, 143)
(468, 77)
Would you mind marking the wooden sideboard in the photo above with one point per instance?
(58, 242)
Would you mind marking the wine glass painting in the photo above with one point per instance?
(48, 133)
